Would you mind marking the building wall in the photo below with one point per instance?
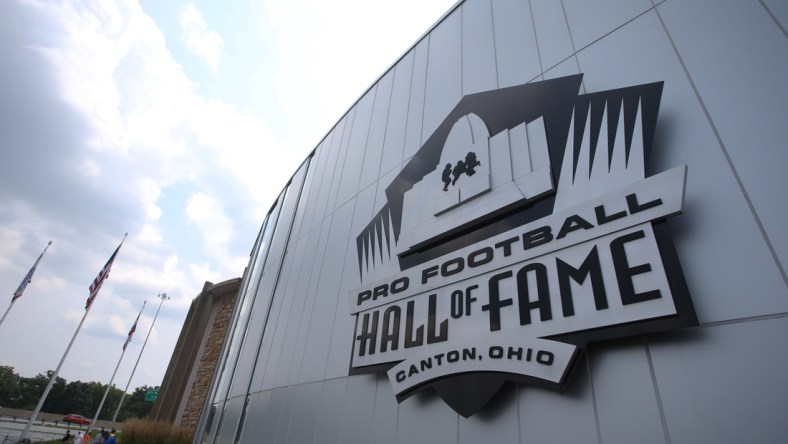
(187, 380)
(284, 373)
(204, 370)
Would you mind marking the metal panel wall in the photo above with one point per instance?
(357, 142)
(715, 201)
(394, 142)
(418, 86)
(722, 113)
(552, 33)
(479, 71)
(339, 350)
(516, 51)
(322, 322)
(747, 110)
(373, 147)
(444, 72)
(341, 149)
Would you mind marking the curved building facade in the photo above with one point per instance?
(546, 222)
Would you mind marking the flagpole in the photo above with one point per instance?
(28, 278)
(6, 311)
(106, 392)
(34, 415)
(163, 297)
(102, 274)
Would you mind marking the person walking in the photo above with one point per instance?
(108, 439)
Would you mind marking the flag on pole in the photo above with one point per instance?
(103, 275)
(133, 329)
(131, 333)
(29, 276)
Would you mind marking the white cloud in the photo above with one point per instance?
(116, 324)
(205, 272)
(216, 228)
(200, 40)
(139, 125)
(116, 70)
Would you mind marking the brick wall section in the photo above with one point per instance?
(213, 346)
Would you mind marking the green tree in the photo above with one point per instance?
(30, 391)
(135, 406)
(9, 387)
(64, 397)
(78, 399)
(55, 399)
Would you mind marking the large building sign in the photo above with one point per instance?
(524, 228)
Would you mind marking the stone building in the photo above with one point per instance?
(194, 359)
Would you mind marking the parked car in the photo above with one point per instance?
(78, 419)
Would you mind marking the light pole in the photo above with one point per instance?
(163, 297)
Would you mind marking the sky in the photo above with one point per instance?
(177, 122)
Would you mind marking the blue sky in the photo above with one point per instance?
(178, 122)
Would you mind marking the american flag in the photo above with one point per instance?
(102, 276)
(131, 333)
(29, 276)
(134, 327)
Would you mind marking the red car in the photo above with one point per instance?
(79, 419)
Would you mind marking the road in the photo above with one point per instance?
(11, 430)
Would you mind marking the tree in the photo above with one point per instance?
(55, 398)
(135, 406)
(9, 387)
(30, 391)
(78, 397)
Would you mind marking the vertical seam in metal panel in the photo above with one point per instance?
(774, 18)
(593, 397)
(239, 428)
(323, 147)
(376, 87)
(519, 415)
(332, 174)
(574, 49)
(301, 319)
(229, 334)
(725, 153)
(655, 385)
(385, 130)
(407, 108)
(312, 312)
(426, 79)
(347, 393)
(281, 408)
(462, 59)
(279, 278)
(293, 297)
(220, 419)
(341, 273)
(495, 49)
(317, 416)
(344, 159)
(293, 390)
(364, 150)
(536, 40)
(374, 407)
